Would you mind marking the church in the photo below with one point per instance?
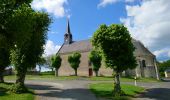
(145, 59)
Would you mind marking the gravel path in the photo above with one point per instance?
(62, 90)
(78, 90)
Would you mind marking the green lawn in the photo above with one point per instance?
(104, 90)
(52, 77)
(6, 95)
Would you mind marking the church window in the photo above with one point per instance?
(143, 63)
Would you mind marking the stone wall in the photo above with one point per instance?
(83, 70)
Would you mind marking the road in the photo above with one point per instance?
(78, 90)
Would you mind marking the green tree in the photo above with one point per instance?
(116, 46)
(4, 62)
(56, 63)
(74, 61)
(163, 66)
(41, 61)
(95, 57)
(30, 29)
(6, 39)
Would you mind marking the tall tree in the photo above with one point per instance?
(30, 29)
(56, 63)
(116, 46)
(41, 61)
(4, 62)
(6, 39)
(74, 61)
(95, 57)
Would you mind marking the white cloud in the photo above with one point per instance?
(150, 23)
(50, 48)
(163, 52)
(129, 0)
(103, 3)
(55, 7)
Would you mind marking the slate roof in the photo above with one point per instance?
(85, 46)
(79, 46)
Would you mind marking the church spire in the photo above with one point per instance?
(68, 35)
(68, 27)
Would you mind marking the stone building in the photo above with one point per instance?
(146, 60)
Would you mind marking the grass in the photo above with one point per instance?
(46, 76)
(123, 79)
(6, 95)
(104, 90)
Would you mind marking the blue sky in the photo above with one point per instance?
(140, 16)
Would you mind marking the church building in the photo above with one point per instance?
(146, 60)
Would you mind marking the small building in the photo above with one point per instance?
(167, 73)
(145, 59)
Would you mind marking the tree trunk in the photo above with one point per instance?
(1, 75)
(96, 72)
(21, 73)
(75, 72)
(117, 88)
(56, 72)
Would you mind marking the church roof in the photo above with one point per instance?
(140, 49)
(79, 46)
(85, 46)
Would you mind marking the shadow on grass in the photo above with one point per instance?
(3, 91)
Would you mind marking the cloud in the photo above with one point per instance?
(53, 32)
(129, 0)
(163, 52)
(50, 48)
(150, 23)
(55, 7)
(103, 3)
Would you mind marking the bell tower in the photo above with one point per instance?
(68, 35)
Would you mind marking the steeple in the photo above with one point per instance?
(68, 35)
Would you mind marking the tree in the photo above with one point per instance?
(56, 63)
(6, 39)
(163, 66)
(95, 58)
(30, 30)
(4, 62)
(41, 62)
(49, 63)
(116, 46)
(74, 61)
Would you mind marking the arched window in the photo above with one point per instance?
(143, 63)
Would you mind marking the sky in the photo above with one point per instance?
(147, 21)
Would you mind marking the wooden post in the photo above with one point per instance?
(135, 81)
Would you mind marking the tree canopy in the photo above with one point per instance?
(27, 29)
(163, 66)
(115, 44)
(95, 57)
(56, 63)
(74, 61)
